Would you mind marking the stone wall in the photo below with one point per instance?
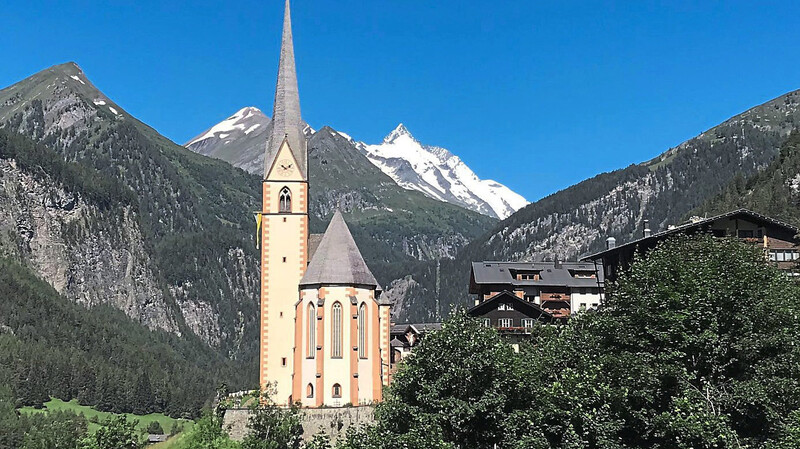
(333, 422)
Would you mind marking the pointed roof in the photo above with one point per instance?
(337, 260)
(286, 122)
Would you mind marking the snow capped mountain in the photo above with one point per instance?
(434, 171)
(439, 174)
(239, 139)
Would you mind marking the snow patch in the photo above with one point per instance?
(252, 128)
(113, 110)
(229, 125)
(99, 102)
(77, 79)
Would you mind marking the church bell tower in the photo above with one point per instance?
(284, 226)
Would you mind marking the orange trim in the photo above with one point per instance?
(320, 354)
(375, 356)
(385, 349)
(263, 354)
(353, 354)
(297, 371)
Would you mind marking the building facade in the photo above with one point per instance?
(558, 288)
(778, 240)
(324, 332)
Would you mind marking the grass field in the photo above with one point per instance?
(90, 414)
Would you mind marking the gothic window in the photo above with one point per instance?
(336, 331)
(362, 331)
(310, 391)
(337, 391)
(312, 332)
(285, 200)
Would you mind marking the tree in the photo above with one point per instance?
(155, 428)
(116, 433)
(273, 427)
(54, 430)
(208, 433)
(457, 388)
(696, 346)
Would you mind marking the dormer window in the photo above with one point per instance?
(285, 200)
(526, 275)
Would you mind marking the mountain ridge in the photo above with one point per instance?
(434, 171)
(664, 190)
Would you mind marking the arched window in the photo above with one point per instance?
(336, 330)
(312, 332)
(337, 391)
(362, 331)
(310, 391)
(285, 200)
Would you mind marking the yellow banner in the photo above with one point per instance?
(258, 216)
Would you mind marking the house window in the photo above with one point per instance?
(486, 322)
(745, 234)
(362, 331)
(336, 391)
(783, 255)
(311, 336)
(336, 330)
(310, 391)
(504, 306)
(504, 322)
(285, 200)
(283, 361)
(527, 322)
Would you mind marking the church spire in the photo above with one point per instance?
(286, 122)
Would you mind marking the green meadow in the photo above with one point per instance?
(96, 417)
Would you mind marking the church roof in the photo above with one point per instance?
(337, 259)
(286, 122)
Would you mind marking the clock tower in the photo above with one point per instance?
(284, 227)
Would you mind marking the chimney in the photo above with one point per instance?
(647, 231)
(557, 263)
(611, 242)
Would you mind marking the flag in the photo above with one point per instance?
(258, 216)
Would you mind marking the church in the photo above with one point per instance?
(324, 330)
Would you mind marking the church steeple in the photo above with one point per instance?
(286, 121)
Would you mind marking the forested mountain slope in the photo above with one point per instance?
(52, 347)
(775, 191)
(180, 255)
(577, 220)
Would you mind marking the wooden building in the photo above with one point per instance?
(558, 288)
(778, 239)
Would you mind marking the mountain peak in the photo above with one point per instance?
(398, 132)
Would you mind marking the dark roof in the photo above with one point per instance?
(417, 328)
(395, 343)
(337, 260)
(696, 225)
(313, 243)
(528, 308)
(500, 273)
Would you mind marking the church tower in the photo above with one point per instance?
(284, 226)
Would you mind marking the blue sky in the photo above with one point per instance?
(537, 95)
